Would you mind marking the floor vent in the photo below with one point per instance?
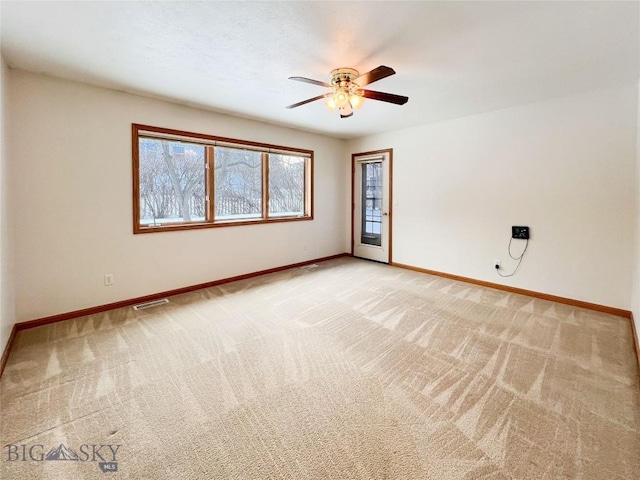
(309, 267)
(153, 303)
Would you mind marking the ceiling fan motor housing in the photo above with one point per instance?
(342, 79)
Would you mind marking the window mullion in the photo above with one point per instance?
(308, 186)
(265, 185)
(209, 156)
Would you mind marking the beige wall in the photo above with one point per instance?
(7, 307)
(73, 210)
(564, 167)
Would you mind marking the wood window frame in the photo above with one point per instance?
(209, 142)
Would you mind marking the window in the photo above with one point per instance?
(286, 185)
(185, 180)
(238, 183)
(172, 182)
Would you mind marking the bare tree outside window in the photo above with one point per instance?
(237, 183)
(286, 185)
(172, 183)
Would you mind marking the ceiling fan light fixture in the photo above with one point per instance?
(356, 101)
(330, 103)
(346, 111)
(341, 98)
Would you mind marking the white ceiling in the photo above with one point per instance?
(452, 58)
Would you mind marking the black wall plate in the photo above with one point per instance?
(520, 232)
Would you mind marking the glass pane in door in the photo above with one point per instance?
(371, 204)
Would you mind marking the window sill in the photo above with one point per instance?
(217, 224)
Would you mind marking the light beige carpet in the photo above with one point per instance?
(352, 370)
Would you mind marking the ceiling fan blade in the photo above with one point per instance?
(374, 75)
(385, 97)
(308, 101)
(311, 81)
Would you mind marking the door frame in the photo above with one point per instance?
(389, 152)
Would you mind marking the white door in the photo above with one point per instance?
(371, 206)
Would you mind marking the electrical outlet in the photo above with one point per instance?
(496, 264)
(108, 279)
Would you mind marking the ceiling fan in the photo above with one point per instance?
(347, 92)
